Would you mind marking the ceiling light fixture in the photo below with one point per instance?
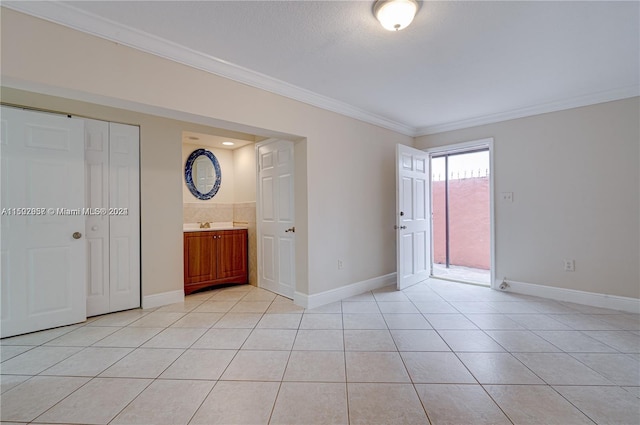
(228, 143)
(395, 15)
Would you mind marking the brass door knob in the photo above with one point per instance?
(77, 235)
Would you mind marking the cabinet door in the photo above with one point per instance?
(232, 254)
(200, 251)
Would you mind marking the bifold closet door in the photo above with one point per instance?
(124, 216)
(113, 237)
(97, 226)
(43, 248)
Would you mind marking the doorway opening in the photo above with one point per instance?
(461, 214)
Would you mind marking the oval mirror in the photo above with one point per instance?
(202, 174)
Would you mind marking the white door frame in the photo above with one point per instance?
(461, 147)
(259, 214)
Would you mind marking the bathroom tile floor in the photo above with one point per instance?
(438, 352)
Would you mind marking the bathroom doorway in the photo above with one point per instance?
(234, 204)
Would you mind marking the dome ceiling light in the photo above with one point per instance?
(395, 15)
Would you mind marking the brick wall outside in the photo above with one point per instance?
(469, 241)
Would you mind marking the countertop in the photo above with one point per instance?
(195, 227)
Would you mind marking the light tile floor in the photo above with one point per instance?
(438, 352)
(462, 273)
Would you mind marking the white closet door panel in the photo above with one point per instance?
(97, 226)
(5, 305)
(124, 220)
(43, 266)
(48, 263)
(5, 195)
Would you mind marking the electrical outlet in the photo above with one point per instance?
(340, 264)
(569, 265)
(507, 196)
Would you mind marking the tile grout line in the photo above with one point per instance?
(404, 364)
(385, 321)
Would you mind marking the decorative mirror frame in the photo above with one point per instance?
(188, 174)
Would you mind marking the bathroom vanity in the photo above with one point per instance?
(214, 256)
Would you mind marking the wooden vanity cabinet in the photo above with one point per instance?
(215, 258)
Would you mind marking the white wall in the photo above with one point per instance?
(575, 180)
(344, 185)
(226, 192)
(244, 168)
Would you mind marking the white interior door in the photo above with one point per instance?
(124, 216)
(412, 212)
(43, 264)
(276, 231)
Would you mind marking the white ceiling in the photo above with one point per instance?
(212, 141)
(459, 64)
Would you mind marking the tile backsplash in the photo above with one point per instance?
(197, 213)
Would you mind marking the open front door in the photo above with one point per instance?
(412, 216)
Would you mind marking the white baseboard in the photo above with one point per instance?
(333, 295)
(631, 305)
(163, 298)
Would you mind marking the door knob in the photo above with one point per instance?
(291, 229)
(77, 235)
(401, 227)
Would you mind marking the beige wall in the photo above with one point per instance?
(244, 169)
(344, 185)
(575, 179)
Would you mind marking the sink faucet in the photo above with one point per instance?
(205, 225)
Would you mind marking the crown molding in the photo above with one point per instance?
(576, 102)
(69, 16)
